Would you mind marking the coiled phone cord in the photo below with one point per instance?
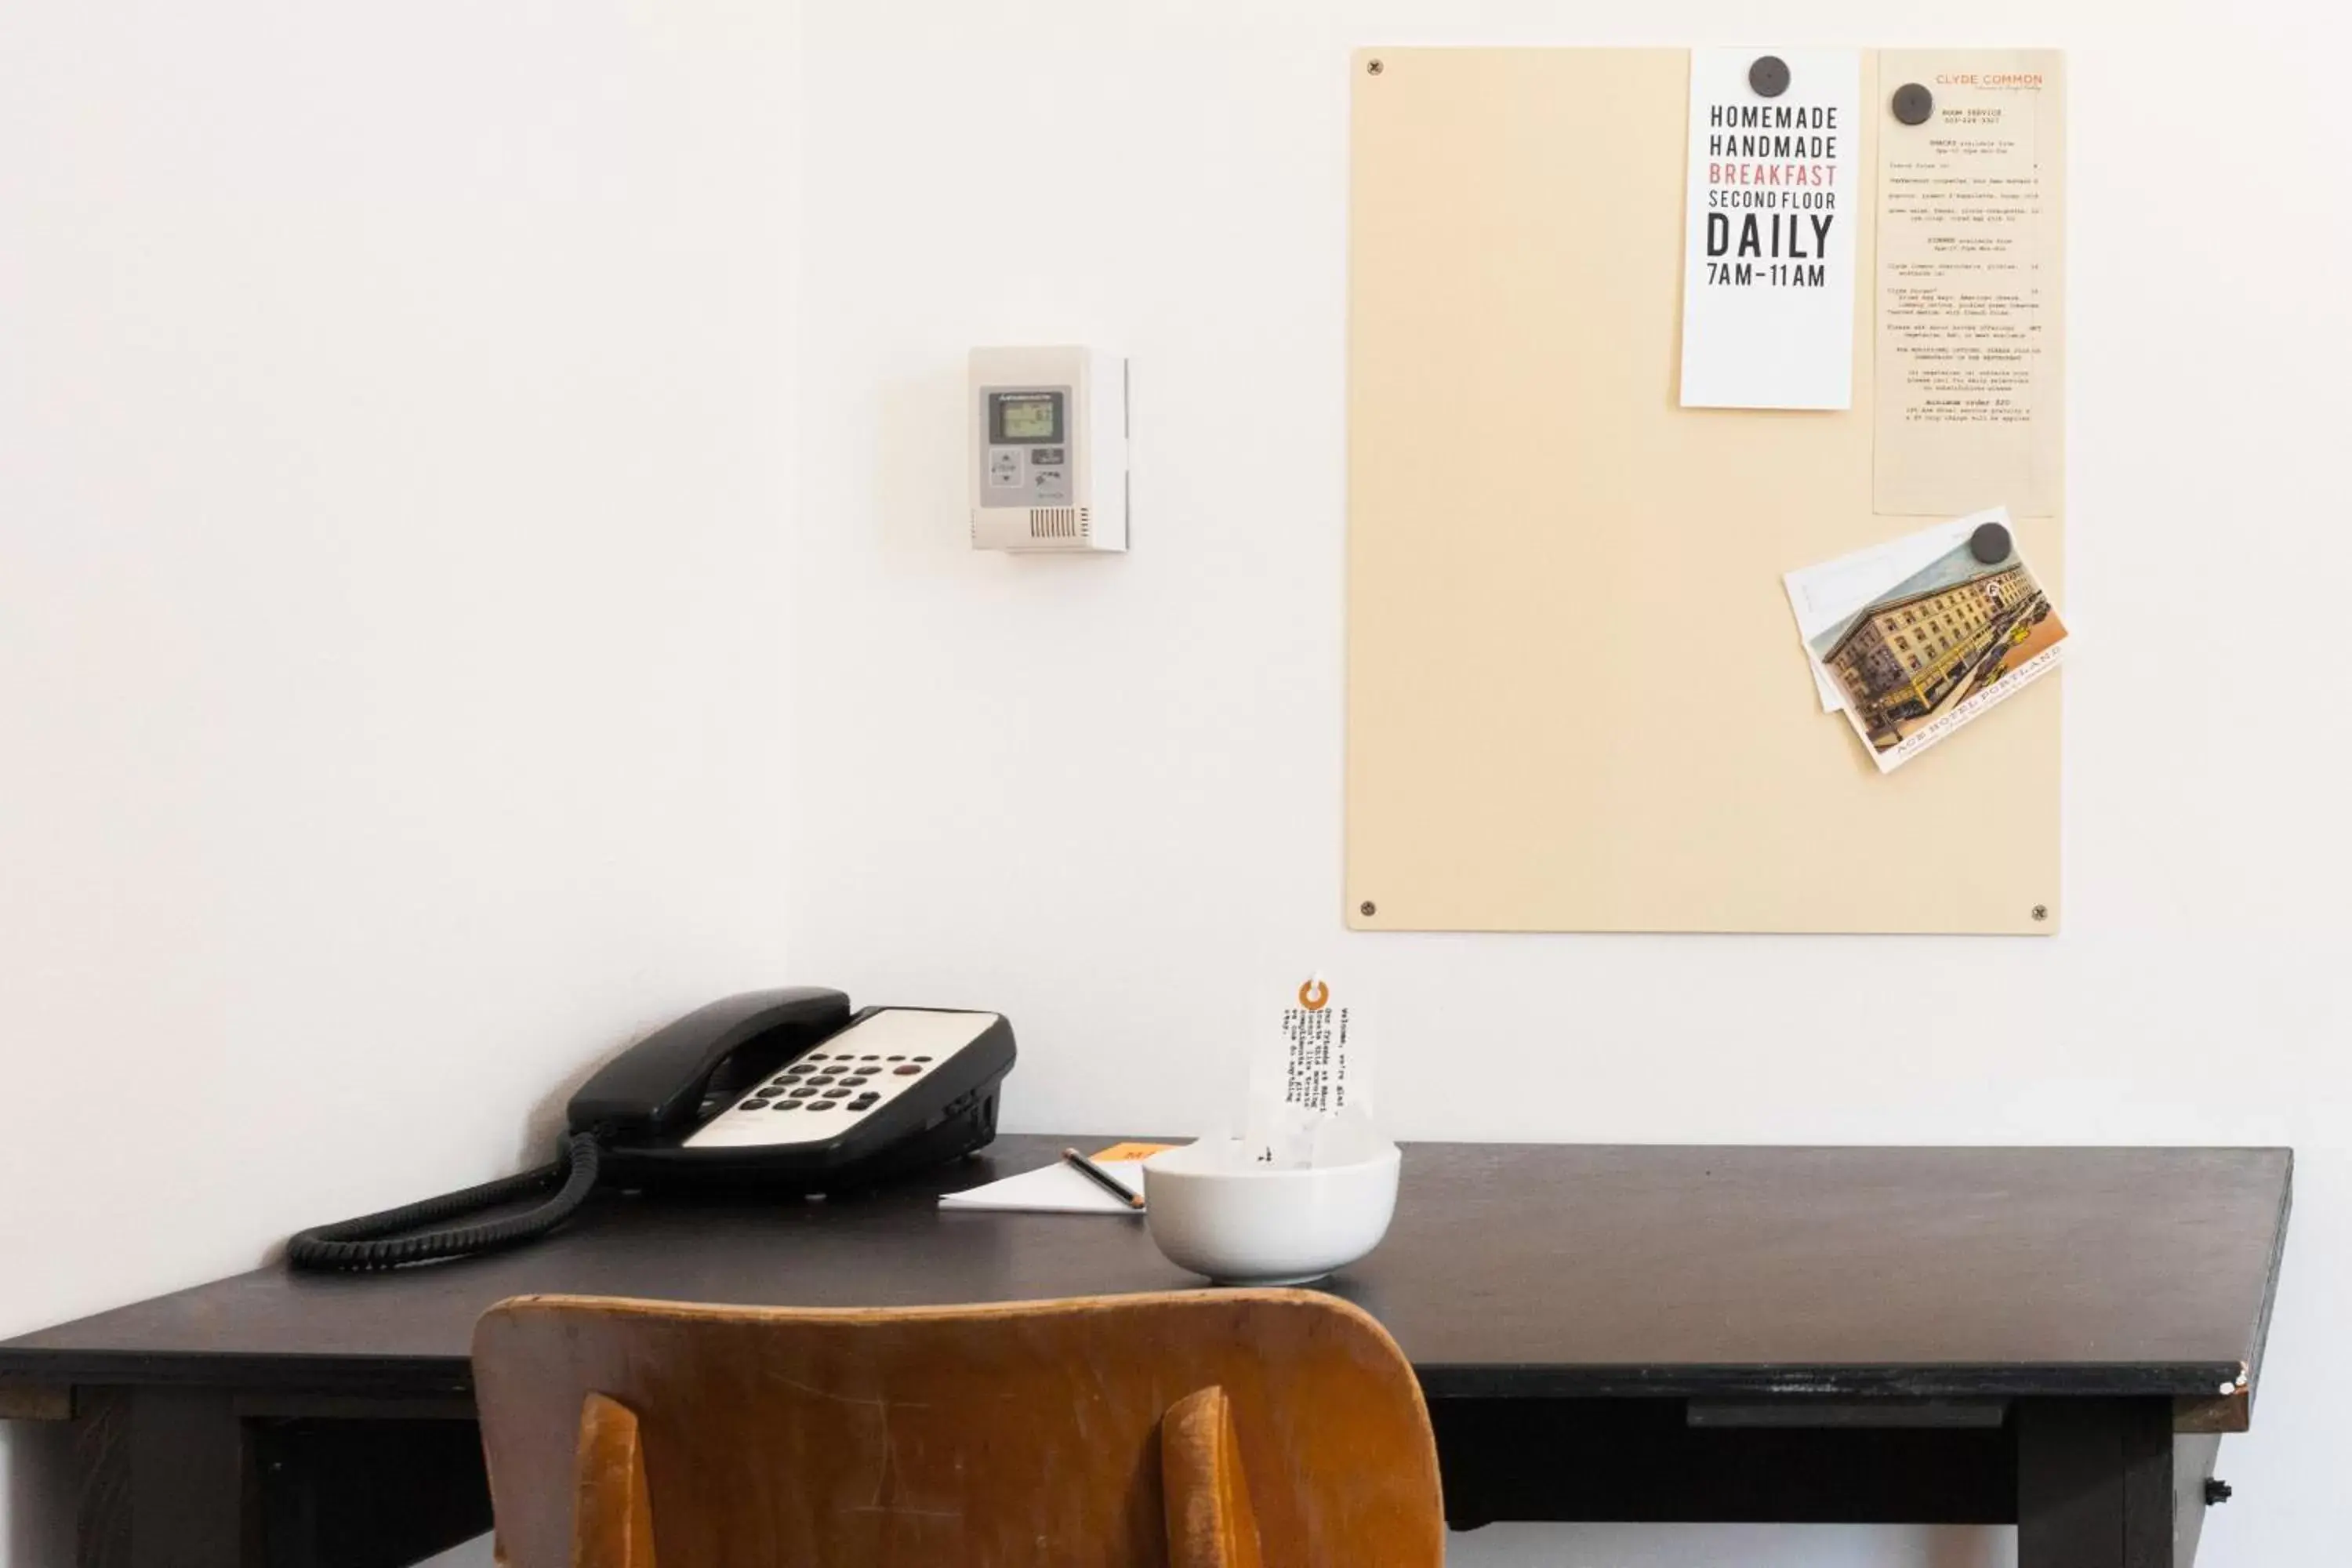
(371, 1241)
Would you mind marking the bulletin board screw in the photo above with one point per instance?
(1373, 67)
(1368, 908)
(2041, 911)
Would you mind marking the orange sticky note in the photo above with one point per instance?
(1128, 1152)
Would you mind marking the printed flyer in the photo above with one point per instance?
(1971, 339)
(1769, 238)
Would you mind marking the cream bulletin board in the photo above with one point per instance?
(1576, 701)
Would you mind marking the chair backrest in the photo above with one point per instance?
(1195, 1429)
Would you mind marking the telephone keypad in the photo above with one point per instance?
(856, 1082)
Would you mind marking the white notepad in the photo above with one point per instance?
(1057, 1188)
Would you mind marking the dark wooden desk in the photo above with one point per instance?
(2050, 1337)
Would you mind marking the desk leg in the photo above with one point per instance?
(2193, 1454)
(2094, 1483)
(164, 1476)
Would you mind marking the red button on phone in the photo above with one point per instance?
(908, 1070)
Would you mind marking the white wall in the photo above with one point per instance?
(394, 422)
(959, 702)
(396, 436)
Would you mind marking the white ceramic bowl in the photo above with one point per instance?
(1212, 1212)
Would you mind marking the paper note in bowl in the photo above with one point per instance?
(1312, 1069)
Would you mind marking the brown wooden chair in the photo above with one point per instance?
(1206, 1429)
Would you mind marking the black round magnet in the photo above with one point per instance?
(1913, 103)
(1989, 543)
(1768, 75)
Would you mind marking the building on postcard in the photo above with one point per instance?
(1902, 656)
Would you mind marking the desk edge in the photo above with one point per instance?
(2194, 1385)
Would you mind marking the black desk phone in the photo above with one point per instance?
(786, 1090)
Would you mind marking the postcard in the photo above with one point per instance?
(1935, 647)
(1824, 596)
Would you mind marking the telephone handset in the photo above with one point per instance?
(787, 1089)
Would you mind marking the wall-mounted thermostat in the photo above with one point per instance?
(1049, 450)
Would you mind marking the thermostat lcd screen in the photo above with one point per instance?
(1025, 416)
(1029, 421)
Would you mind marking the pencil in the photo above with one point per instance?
(1103, 1179)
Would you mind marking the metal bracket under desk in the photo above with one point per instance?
(1875, 1414)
